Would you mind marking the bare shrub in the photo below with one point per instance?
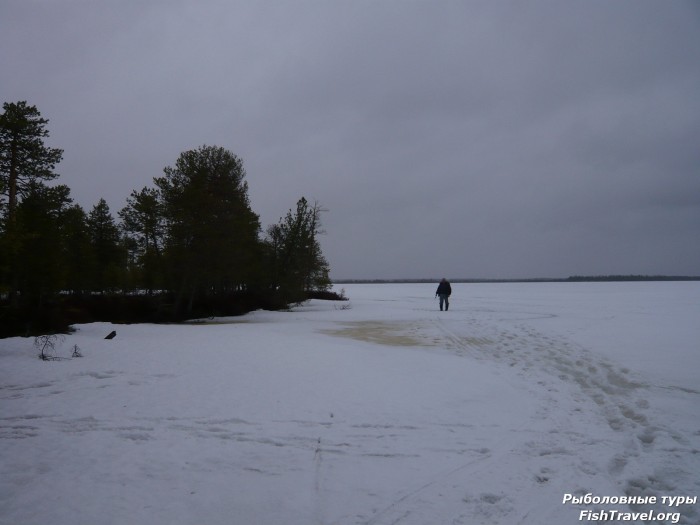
(46, 344)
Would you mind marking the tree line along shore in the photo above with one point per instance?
(187, 245)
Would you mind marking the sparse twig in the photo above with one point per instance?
(46, 344)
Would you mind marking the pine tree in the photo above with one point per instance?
(24, 160)
(298, 264)
(211, 231)
(78, 250)
(108, 251)
(42, 265)
(23, 156)
(143, 225)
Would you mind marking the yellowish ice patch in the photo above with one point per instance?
(385, 333)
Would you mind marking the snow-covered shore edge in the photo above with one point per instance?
(379, 410)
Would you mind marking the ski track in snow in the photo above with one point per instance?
(644, 453)
(593, 430)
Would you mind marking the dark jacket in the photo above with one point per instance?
(444, 288)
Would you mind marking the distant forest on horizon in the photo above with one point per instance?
(571, 279)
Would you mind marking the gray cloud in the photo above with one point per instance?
(467, 139)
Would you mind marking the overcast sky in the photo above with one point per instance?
(451, 138)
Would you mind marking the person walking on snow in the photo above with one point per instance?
(444, 290)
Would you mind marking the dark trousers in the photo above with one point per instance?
(444, 298)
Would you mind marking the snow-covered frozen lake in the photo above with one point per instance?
(379, 410)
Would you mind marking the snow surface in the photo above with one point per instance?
(379, 410)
